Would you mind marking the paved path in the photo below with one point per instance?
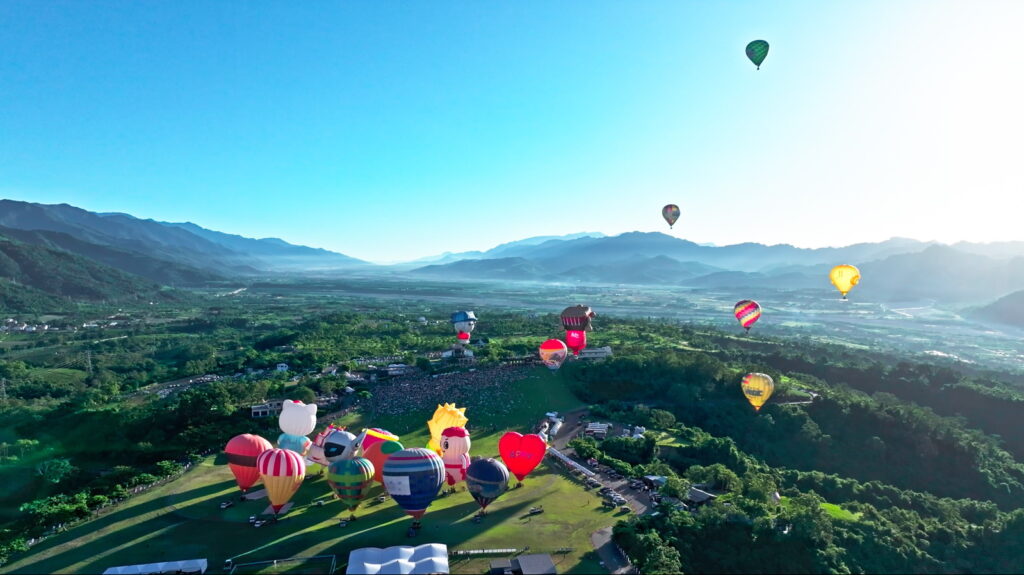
(614, 561)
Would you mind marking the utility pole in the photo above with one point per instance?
(88, 361)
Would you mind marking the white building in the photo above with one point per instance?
(596, 353)
(427, 558)
(282, 367)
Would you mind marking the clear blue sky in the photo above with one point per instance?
(394, 130)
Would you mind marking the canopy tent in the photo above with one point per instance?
(426, 558)
(186, 566)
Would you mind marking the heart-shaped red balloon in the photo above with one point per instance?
(521, 453)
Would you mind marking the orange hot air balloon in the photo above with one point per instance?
(242, 452)
(282, 471)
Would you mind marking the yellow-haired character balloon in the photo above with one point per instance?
(844, 277)
(445, 416)
(758, 387)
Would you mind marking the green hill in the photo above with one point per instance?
(38, 277)
(1008, 309)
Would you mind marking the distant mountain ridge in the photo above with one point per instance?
(898, 268)
(1008, 310)
(181, 244)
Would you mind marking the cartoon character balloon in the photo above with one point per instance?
(747, 312)
(242, 452)
(445, 416)
(522, 453)
(757, 387)
(553, 353)
(341, 444)
(486, 480)
(463, 322)
(576, 321)
(413, 477)
(671, 214)
(844, 277)
(297, 420)
(351, 480)
(455, 444)
(757, 51)
(282, 471)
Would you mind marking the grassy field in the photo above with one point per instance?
(182, 520)
(835, 511)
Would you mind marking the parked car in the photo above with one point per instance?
(252, 519)
(260, 523)
(226, 504)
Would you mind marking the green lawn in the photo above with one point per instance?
(835, 511)
(181, 520)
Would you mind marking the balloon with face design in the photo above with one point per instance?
(455, 444)
(297, 420)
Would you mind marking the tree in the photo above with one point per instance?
(676, 487)
(424, 365)
(662, 419)
(167, 468)
(364, 395)
(303, 394)
(55, 470)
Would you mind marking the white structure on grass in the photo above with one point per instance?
(426, 558)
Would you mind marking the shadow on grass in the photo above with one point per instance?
(73, 555)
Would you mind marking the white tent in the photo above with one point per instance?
(426, 558)
(186, 566)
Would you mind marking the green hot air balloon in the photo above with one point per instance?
(351, 480)
(756, 51)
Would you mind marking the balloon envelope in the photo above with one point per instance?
(445, 416)
(282, 471)
(747, 312)
(413, 477)
(455, 445)
(553, 353)
(758, 387)
(242, 452)
(522, 453)
(844, 277)
(757, 51)
(576, 340)
(486, 480)
(378, 454)
(577, 317)
(351, 480)
(670, 213)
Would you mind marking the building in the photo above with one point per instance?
(396, 369)
(596, 353)
(426, 558)
(597, 430)
(697, 497)
(533, 564)
(282, 367)
(273, 407)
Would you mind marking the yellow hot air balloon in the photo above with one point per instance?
(445, 416)
(844, 277)
(758, 387)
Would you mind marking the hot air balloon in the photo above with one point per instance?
(521, 453)
(576, 321)
(553, 353)
(351, 480)
(282, 471)
(413, 477)
(341, 444)
(486, 480)
(297, 420)
(242, 452)
(756, 51)
(747, 312)
(455, 444)
(445, 416)
(463, 322)
(378, 454)
(376, 435)
(758, 387)
(671, 214)
(844, 277)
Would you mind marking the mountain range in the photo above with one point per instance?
(183, 254)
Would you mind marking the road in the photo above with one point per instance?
(614, 561)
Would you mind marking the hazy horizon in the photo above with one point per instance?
(397, 132)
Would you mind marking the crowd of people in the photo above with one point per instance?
(490, 390)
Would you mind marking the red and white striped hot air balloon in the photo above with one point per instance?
(282, 471)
